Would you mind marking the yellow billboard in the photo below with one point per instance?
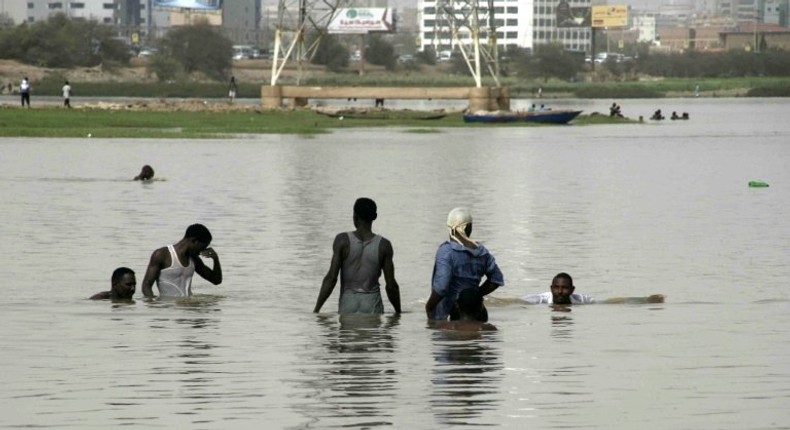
(609, 16)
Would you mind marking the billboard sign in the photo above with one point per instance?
(609, 16)
(568, 16)
(190, 4)
(361, 21)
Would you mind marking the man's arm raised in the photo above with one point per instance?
(213, 275)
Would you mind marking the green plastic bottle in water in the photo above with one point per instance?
(757, 184)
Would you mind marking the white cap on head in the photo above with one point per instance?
(457, 220)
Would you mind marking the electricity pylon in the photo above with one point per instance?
(294, 19)
(462, 18)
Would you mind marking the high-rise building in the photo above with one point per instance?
(241, 21)
(741, 11)
(546, 29)
(519, 23)
(776, 12)
(102, 11)
(15, 10)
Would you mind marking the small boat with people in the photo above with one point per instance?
(562, 116)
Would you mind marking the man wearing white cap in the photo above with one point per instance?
(461, 263)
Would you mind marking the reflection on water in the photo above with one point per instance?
(467, 374)
(561, 322)
(185, 338)
(354, 376)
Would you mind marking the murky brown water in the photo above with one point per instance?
(627, 210)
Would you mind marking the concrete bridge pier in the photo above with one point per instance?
(480, 99)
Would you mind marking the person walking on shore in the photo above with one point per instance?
(67, 95)
(24, 91)
(232, 88)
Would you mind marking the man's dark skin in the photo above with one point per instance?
(340, 247)
(186, 249)
(121, 289)
(146, 174)
(561, 290)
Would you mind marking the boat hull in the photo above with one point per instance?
(544, 117)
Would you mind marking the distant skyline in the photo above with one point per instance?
(641, 4)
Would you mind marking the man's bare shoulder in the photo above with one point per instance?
(341, 239)
(385, 245)
(160, 252)
(104, 295)
(160, 257)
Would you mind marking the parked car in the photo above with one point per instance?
(603, 57)
(406, 58)
(242, 52)
(147, 52)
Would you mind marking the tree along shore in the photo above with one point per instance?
(519, 88)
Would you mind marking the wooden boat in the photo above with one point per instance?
(545, 116)
(383, 114)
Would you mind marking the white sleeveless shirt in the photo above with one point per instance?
(176, 280)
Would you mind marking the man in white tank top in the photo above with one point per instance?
(359, 257)
(172, 266)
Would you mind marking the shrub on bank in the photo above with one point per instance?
(616, 92)
(62, 42)
(52, 84)
(769, 91)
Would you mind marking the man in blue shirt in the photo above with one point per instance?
(461, 263)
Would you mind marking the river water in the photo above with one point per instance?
(628, 210)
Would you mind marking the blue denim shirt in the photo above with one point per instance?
(458, 268)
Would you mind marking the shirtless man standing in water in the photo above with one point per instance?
(172, 266)
(359, 257)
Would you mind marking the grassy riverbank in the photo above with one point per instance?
(135, 81)
(131, 82)
(99, 123)
(735, 87)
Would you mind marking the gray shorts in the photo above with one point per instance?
(352, 302)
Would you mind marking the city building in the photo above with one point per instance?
(14, 10)
(776, 12)
(517, 23)
(646, 28)
(102, 11)
(756, 37)
(740, 10)
(241, 21)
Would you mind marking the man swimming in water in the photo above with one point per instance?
(359, 257)
(146, 174)
(173, 266)
(122, 286)
(561, 293)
